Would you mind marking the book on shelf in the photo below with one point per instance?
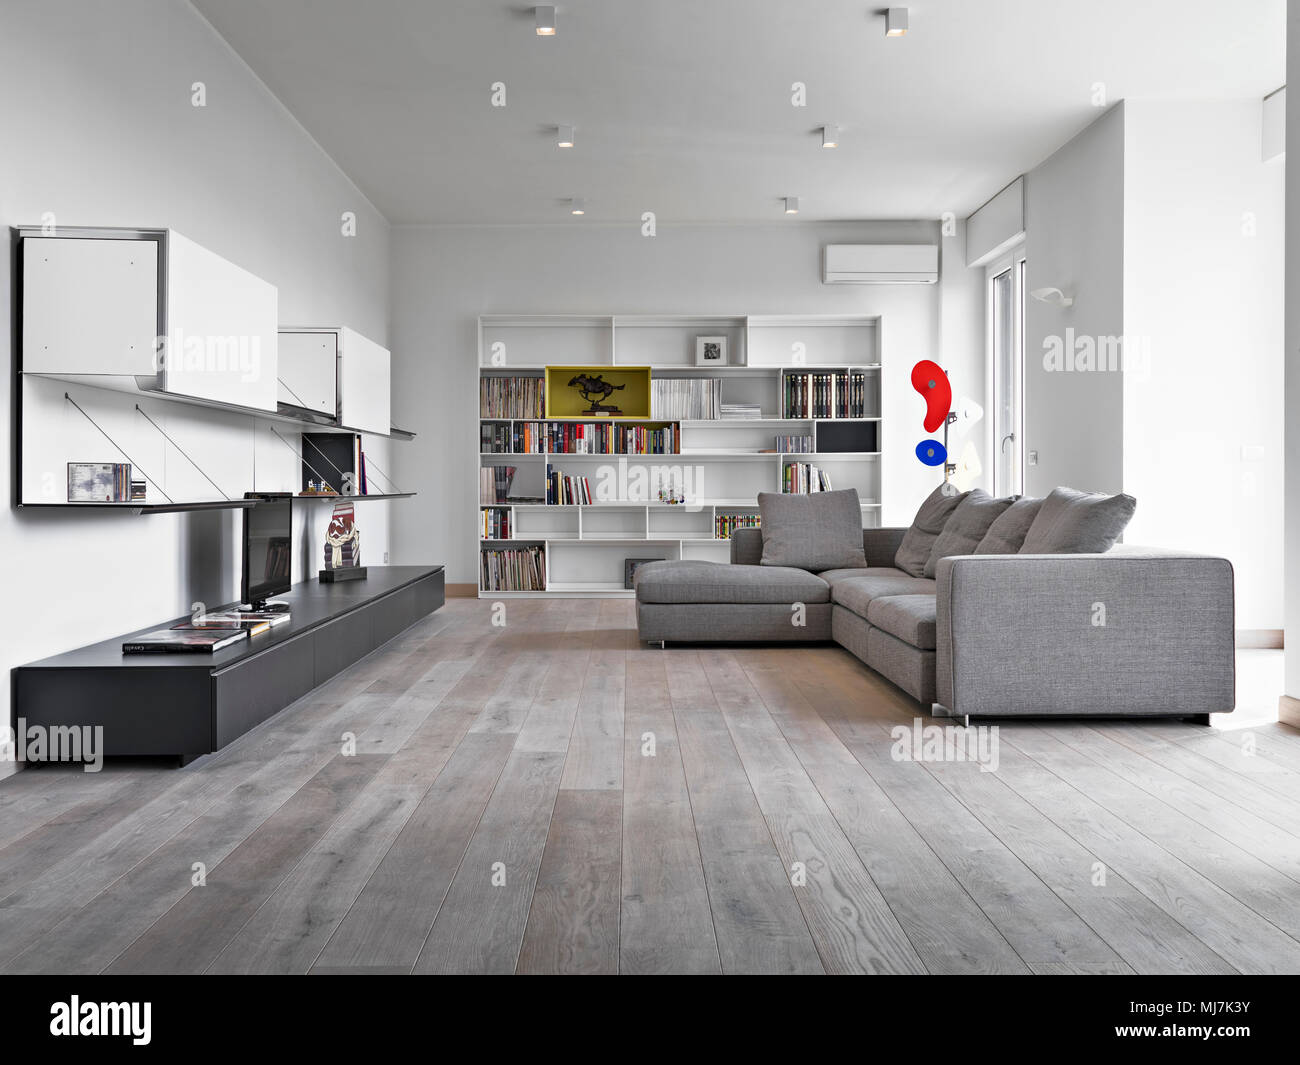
(494, 483)
(685, 398)
(513, 569)
(825, 394)
(740, 411)
(565, 490)
(183, 641)
(512, 397)
(801, 478)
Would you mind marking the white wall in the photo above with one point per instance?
(444, 277)
(1291, 459)
(1074, 222)
(1203, 292)
(98, 128)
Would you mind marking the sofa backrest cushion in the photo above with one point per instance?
(817, 531)
(918, 541)
(966, 527)
(1007, 534)
(1072, 523)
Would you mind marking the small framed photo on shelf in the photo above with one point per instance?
(710, 351)
(630, 566)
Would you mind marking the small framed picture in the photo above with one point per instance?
(630, 566)
(710, 351)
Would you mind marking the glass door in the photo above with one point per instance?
(1006, 315)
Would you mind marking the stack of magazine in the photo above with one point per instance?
(204, 633)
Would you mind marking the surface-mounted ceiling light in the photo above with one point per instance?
(895, 22)
(577, 205)
(566, 137)
(792, 205)
(545, 20)
(830, 136)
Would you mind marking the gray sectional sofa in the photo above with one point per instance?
(1128, 632)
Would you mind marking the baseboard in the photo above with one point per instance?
(462, 591)
(1288, 711)
(1259, 639)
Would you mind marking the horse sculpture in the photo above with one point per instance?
(594, 389)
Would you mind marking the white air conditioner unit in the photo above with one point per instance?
(880, 264)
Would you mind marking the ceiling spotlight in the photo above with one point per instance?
(830, 136)
(792, 205)
(895, 22)
(566, 137)
(577, 205)
(545, 20)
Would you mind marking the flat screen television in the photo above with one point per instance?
(268, 547)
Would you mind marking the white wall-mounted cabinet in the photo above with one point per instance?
(89, 306)
(148, 304)
(222, 329)
(365, 384)
(336, 371)
(308, 368)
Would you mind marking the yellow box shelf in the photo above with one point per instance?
(628, 391)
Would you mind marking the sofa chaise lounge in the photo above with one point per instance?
(1125, 632)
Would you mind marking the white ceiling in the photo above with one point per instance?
(682, 107)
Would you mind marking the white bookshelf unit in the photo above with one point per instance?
(723, 463)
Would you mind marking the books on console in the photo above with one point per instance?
(183, 640)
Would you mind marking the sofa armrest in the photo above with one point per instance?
(746, 547)
(881, 545)
(1133, 632)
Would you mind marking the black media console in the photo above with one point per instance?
(191, 704)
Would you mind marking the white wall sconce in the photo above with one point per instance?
(830, 136)
(1053, 296)
(792, 205)
(577, 205)
(896, 22)
(545, 15)
(564, 138)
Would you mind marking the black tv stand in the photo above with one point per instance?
(190, 705)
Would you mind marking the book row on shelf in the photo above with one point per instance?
(578, 438)
(801, 478)
(513, 569)
(496, 523)
(794, 445)
(725, 524)
(686, 398)
(565, 490)
(511, 397)
(835, 394)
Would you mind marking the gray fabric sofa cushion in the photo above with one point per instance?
(1078, 523)
(918, 541)
(834, 576)
(967, 526)
(1007, 534)
(720, 582)
(821, 530)
(856, 593)
(911, 618)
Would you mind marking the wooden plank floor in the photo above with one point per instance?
(549, 795)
